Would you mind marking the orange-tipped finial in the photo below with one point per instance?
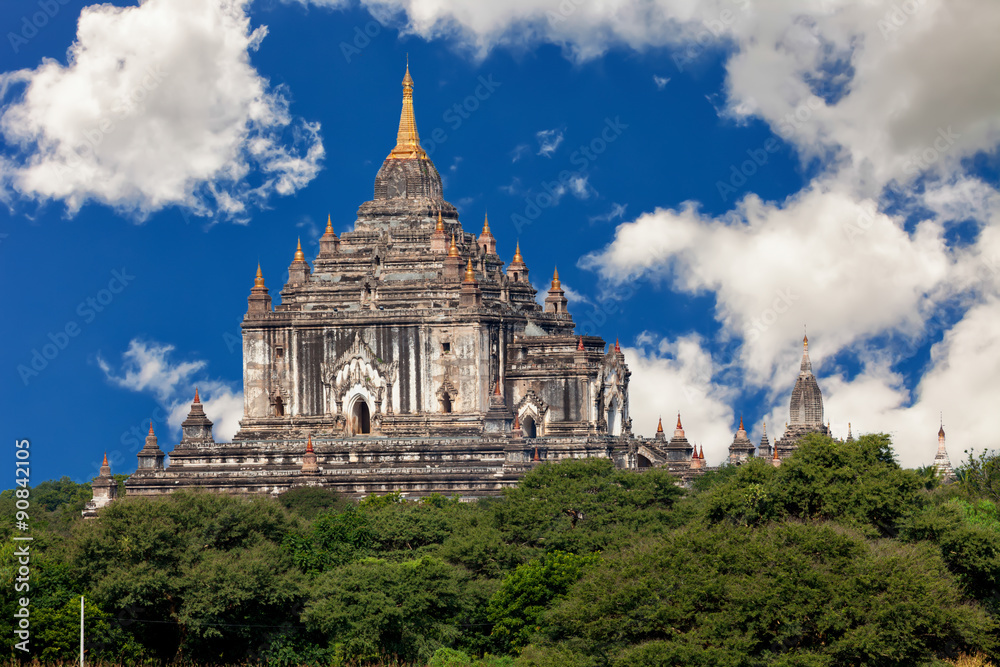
(517, 422)
(299, 255)
(517, 255)
(579, 346)
(470, 274)
(309, 443)
(258, 280)
(679, 420)
(105, 460)
(440, 223)
(618, 348)
(197, 399)
(741, 423)
(701, 453)
(151, 427)
(659, 426)
(453, 249)
(555, 279)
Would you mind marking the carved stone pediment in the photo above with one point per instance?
(534, 401)
(359, 366)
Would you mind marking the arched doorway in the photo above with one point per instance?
(279, 407)
(528, 427)
(361, 418)
(445, 402)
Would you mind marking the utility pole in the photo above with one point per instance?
(81, 631)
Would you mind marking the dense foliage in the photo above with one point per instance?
(837, 557)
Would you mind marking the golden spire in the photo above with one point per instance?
(258, 281)
(517, 255)
(679, 421)
(453, 249)
(486, 224)
(407, 139)
(329, 224)
(440, 223)
(299, 255)
(309, 443)
(659, 426)
(470, 275)
(103, 465)
(555, 279)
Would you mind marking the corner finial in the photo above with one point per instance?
(197, 399)
(470, 274)
(805, 338)
(679, 421)
(765, 428)
(517, 254)
(299, 255)
(486, 222)
(151, 427)
(453, 249)
(579, 345)
(618, 348)
(309, 443)
(741, 423)
(440, 223)
(555, 279)
(329, 224)
(659, 426)
(258, 280)
(105, 460)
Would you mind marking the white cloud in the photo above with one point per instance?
(580, 186)
(519, 152)
(147, 368)
(661, 81)
(671, 376)
(166, 111)
(548, 141)
(617, 212)
(774, 267)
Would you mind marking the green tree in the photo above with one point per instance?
(979, 476)
(785, 593)
(857, 483)
(516, 609)
(409, 609)
(581, 505)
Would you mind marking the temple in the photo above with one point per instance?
(942, 462)
(407, 356)
(805, 409)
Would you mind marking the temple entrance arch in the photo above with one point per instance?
(360, 422)
(528, 427)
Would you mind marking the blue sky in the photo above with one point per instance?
(723, 172)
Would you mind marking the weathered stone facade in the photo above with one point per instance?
(407, 357)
